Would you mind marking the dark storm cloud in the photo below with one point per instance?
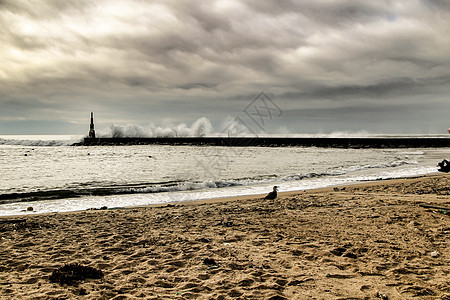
(328, 13)
(359, 112)
(379, 120)
(131, 59)
(396, 86)
(437, 4)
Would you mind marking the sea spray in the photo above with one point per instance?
(201, 127)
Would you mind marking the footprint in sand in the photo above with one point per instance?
(203, 276)
(246, 282)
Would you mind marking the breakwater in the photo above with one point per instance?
(341, 142)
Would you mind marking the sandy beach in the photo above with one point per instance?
(364, 241)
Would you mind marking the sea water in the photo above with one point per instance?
(50, 175)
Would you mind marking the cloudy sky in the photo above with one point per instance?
(376, 66)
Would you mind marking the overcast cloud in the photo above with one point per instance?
(377, 66)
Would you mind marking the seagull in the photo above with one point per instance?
(273, 194)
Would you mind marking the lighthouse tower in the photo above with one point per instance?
(91, 127)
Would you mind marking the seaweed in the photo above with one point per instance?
(72, 273)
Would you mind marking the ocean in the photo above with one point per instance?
(49, 175)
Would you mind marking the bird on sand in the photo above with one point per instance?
(273, 194)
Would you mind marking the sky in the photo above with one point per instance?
(278, 66)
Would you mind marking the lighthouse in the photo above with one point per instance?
(91, 127)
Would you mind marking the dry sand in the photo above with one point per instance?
(367, 241)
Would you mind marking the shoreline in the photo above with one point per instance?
(297, 192)
(227, 198)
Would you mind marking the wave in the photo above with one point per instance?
(346, 170)
(73, 192)
(231, 125)
(39, 142)
(91, 189)
(113, 190)
(65, 193)
(393, 164)
(201, 127)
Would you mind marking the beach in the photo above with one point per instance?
(365, 241)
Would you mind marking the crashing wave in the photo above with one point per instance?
(201, 127)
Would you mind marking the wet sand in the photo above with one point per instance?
(365, 241)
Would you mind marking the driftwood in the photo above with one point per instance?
(434, 207)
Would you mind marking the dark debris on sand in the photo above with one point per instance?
(71, 273)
